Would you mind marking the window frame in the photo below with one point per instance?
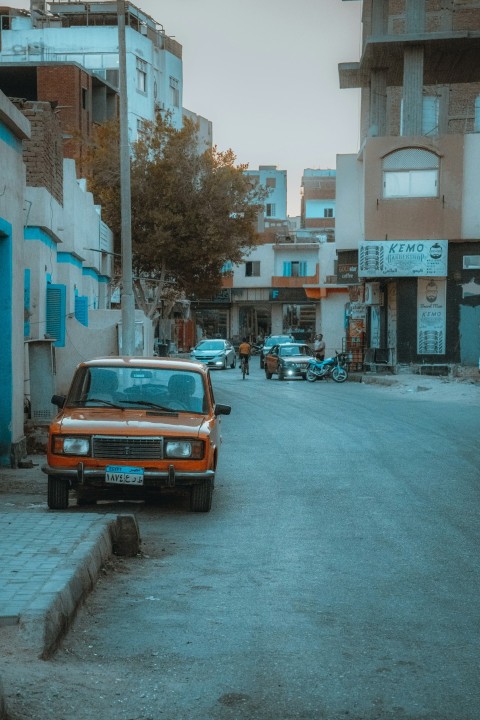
(420, 180)
(254, 267)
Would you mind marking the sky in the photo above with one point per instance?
(265, 72)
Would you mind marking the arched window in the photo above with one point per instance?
(411, 172)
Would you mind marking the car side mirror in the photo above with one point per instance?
(222, 409)
(58, 400)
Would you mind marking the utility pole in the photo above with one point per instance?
(128, 301)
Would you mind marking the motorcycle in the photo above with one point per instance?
(336, 367)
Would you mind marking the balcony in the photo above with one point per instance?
(281, 281)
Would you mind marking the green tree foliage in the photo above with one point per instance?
(191, 212)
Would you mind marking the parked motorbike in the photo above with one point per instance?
(336, 367)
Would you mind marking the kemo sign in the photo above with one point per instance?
(403, 258)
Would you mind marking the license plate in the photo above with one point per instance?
(123, 475)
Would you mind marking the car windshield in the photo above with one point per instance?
(127, 387)
(211, 345)
(294, 350)
(276, 339)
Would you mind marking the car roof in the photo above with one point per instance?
(293, 344)
(126, 361)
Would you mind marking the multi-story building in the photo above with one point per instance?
(318, 201)
(408, 215)
(286, 282)
(86, 34)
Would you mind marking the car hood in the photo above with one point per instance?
(208, 352)
(125, 422)
(296, 358)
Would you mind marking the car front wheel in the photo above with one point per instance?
(234, 363)
(201, 496)
(57, 493)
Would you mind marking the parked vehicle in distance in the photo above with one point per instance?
(288, 360)
(215, 353)
(132, 428)
(269, 342)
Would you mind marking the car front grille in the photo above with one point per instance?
(127, 448)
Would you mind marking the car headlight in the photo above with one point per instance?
(184, 449)
(64, 445)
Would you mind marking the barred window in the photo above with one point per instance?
(411, 172)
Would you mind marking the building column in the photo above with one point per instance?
(415, 16)
(378, 103)
(412, 90)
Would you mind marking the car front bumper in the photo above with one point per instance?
(81, 476)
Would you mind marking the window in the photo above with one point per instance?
(270, 210)
(294, 268)
(328, 212)
(430, 115)
(252, 268)
(141, 128)
(174, 92)
(56, 304)
(141, 75)
(84, 98)
(81, 309)
(412, 172)
(271, 183)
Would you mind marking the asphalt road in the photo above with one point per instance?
(336, 576)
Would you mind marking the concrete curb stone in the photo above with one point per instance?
(50, 562)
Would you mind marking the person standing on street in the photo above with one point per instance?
(319, 347)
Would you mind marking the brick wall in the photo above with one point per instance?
(43, 153)
(71, 88)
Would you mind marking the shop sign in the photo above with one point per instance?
(431, 316)
(358, 311)
(347, 273)
(287, 294)
(403, 258)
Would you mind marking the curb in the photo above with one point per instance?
(46, 620)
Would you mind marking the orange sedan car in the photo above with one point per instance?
(134, 427)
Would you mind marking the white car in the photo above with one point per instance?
(215, 353)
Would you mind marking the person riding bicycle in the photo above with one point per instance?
(244, 352)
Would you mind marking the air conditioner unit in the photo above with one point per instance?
(373, 294)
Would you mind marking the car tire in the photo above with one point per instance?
(201, 496)
(57, 496)
(268, 375)
(234, 363)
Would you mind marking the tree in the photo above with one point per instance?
(191, 212)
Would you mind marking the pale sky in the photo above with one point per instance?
(265, 72)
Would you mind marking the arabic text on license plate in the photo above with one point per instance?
(121, 475)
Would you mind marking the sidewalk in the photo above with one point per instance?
(49, 562)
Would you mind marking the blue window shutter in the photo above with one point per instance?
(56, 310)
(81, 309)
(287, 268)
(302, 271)
(26, 303)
